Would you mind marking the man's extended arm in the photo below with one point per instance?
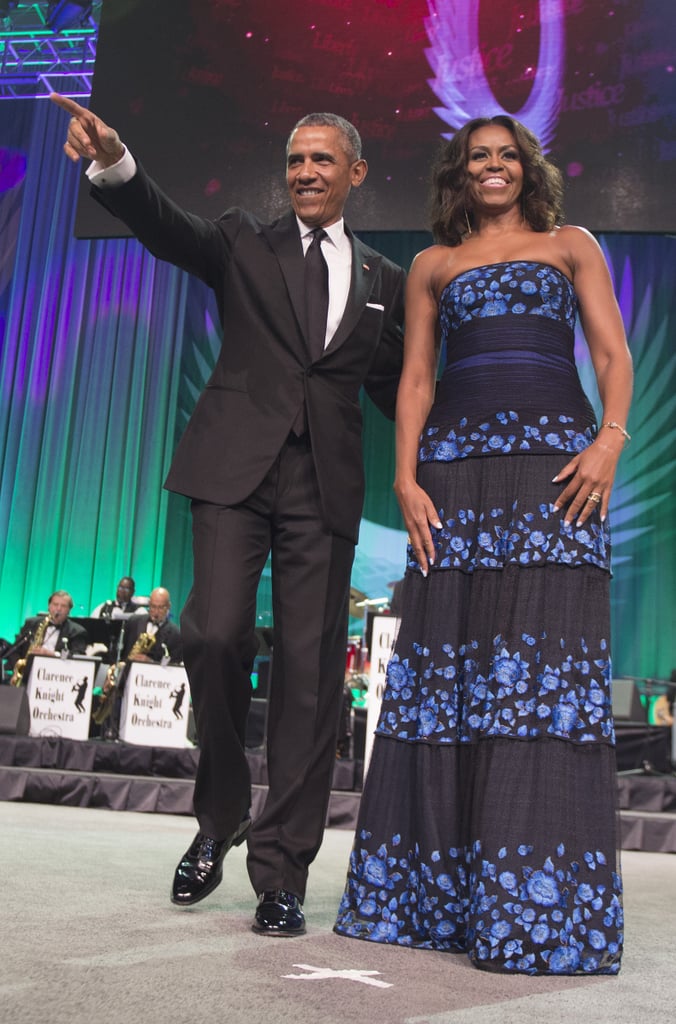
(170, 233)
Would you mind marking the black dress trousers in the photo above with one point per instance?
(311, 570)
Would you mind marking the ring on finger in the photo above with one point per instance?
(594, 497)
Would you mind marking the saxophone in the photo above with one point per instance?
(143, 643)
(36, 641)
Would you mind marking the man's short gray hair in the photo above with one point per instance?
(351, 137)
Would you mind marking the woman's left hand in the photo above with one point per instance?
(590, 480)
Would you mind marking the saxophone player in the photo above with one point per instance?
(58, 634)
(148, 637)
(168, 647)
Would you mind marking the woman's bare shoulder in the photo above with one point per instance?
(575, 238)
(434, 265)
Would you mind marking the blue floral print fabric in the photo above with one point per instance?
(523, 915)
(508, 334)
(447, 696)
(470, 539)
(518, 287)
(488, 818)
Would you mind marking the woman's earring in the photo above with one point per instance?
(469, 226)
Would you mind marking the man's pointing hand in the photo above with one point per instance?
(88, 136)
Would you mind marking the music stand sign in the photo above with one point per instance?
(385, 629)
(155, 706)
(60, 696)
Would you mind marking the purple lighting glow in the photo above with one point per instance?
(12, 168)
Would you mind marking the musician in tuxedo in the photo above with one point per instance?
(167, 646)
(149, 637)
(60, 634)
(123, 605)
(272, 460)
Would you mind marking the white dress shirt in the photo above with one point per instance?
(51, 637)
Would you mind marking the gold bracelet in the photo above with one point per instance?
(616, 426)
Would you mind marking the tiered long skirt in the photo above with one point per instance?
(488, 817)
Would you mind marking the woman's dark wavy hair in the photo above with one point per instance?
(450, 206)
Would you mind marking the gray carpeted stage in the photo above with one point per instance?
(89, 935)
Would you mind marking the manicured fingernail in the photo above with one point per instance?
(438, 525)
(555, 508)
(424, 572)
(555, 479)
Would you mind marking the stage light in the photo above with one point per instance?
(64, 14)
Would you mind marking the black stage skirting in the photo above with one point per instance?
(126, 777)
(648, 812)
(122, 776)
(640, 746)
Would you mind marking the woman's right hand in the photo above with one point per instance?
(419, 514)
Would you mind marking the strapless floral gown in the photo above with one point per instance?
(488, 821)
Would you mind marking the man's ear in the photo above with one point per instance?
(359, 171)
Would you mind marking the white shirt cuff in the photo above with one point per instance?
(109, 177)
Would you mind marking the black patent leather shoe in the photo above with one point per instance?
(279, 913)
(201, 867)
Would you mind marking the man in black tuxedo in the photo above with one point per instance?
(167, 646)
(272, 459)
(124, 604)
(61, 636)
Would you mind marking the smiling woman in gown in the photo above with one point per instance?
(488, 819)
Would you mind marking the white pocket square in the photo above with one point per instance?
(375, 305)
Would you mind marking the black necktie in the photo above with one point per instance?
(316, 293)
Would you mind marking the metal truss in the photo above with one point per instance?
(35, 61)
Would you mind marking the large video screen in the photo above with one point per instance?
(205, 92)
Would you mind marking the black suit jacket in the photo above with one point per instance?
(264, 373)
(168, 635)
(71, 632)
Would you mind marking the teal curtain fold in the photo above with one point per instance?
(89, 374)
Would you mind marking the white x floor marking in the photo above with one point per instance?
(320, 973)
